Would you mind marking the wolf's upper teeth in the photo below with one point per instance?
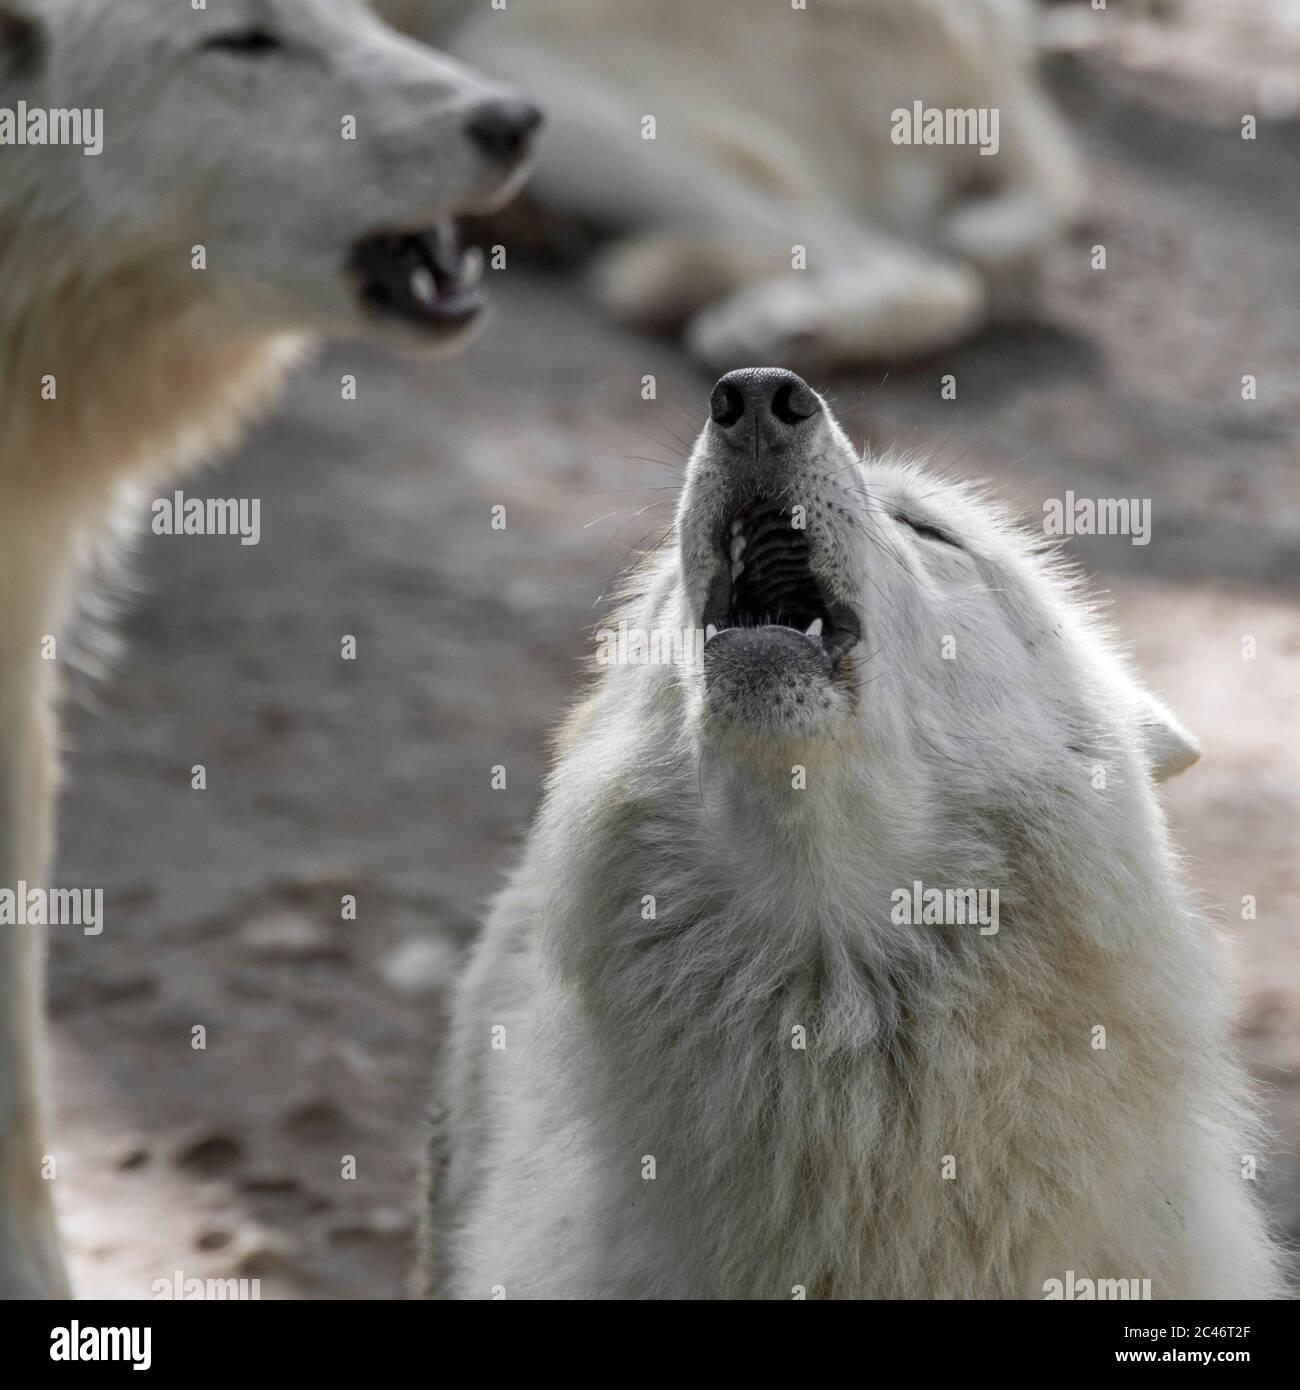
(710, 632)
(737, 569)
(737, 527)
(737, 547)
(471, 267)
(422, 285)
(814, 628)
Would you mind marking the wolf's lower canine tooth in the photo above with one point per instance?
(471, 266)
(814, 628)
(737, 569)
(737, 547)
(422, 285)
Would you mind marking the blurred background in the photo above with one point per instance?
(373, 777)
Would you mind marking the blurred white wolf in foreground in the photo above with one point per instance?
(152, 291)
(719, 138)
(701, 1053)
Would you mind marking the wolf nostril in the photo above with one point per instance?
(793, 402)
(502, 129)
(726, 404)
(769, 396)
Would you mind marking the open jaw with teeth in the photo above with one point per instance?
(420, 277)
(765, 580)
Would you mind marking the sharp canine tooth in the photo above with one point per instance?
(737, 569)
(814, 628)
(422, 285)
(737, 547)
(710, 633)
(471, 267)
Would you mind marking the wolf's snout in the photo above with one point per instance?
(503, 128)
(762, 397)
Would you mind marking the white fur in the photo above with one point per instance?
(158, 365)
(773, 130)
(779, 1169)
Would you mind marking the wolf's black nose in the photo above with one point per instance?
(503, 128)
(762, 394)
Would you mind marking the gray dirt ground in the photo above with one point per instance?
(372, 777)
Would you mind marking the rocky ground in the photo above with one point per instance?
(372, 777)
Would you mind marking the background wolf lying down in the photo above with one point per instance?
(697, 1055)
(775, 129)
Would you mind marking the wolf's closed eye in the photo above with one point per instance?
(923, 528)
(245, 43)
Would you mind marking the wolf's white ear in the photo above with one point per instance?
(1171, 747)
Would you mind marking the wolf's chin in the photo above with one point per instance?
(773, 681)
(423, 345)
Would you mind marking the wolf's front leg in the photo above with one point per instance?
(31, 1263)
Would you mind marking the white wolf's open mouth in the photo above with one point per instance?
(421, 278)
(765, 580)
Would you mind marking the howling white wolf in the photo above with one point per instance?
(700, 1051)
(187, 197)
(842, 181)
